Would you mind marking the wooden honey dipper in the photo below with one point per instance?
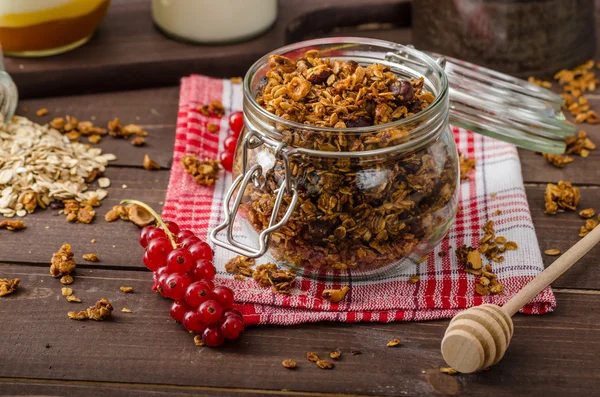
(477, 338)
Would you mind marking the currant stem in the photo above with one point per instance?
(156, 216)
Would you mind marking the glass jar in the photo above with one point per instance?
(33, 28)
(368, 199)
(209, 21)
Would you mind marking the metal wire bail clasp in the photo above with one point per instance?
(254, 174)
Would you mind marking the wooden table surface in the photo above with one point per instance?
(146, 353)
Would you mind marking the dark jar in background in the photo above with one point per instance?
(519, 37)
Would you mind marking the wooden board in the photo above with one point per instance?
(146, 346)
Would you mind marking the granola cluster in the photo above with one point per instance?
(12, 225)
(205, 172)
(575, 83)
(80, 212)
(466, 165)
(8, 286)
(240, 266)
(62, 262)
(561, 197)
(100, 311)
(269, 275)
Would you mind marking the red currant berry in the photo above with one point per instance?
(210, 312)
(212, 336)
(231, 327)
(173, 227)
(204, 270)
(180, 261)
(230, 143)
(144, 235)
(193, 323)
(158, 250)
(197, 293)
(224, 296)
(178, 310)
(189, 241)
(232, 312)
(183, 234)
(150, 264)
(226, 158)
(161, 284)
(155, 233)
(236, 123)
(175, 286)
(201, 250)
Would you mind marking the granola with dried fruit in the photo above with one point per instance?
(100, 311)
(335, 295)
(466, 165)
(269, 275)
(12, 225)
(240, 266)
(349, 215)
(62, 262)
(205, 172)
(8, 286)
(560, 197)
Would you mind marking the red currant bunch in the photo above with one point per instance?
(184, 271)
(236, 123)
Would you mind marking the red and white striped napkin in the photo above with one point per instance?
(444, 288)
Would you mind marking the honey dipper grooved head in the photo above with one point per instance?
(477, 338)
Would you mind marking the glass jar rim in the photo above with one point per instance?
(432, 109)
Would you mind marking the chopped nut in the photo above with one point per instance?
(204, 172)
(138, 141)
(41, 112)
(289, 364)
(126, 310)
(150, 164)
(335, 295)
(587, 213)
(552, 252)
(269, 275)
(325, 364)
(312, 356)
(413, 279)
(66, 291)
(448, 371)
(91, 257)
(12, 225)
(62, 262)
(73, 299)
(240, 266)
(336, 354)
(8, 286)
(66, 280)
(198, 341)
(394, 342)
(466, 166)
(126, 289)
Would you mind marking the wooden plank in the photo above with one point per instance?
(553, 354)
(129, 52)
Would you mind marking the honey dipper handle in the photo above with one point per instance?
(552, 272)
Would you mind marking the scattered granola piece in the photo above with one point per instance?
(587, 213)
(240, 266)
(8, 286)
(150, 164)
(91, 257)
(511, 246)
(94, 139)
(335, 295)
(100, 311)
(66, 280)
(66, 291)
(579, 144)
(541, 83)
(216, 108)
(590, 224)
(413, 279)
(394, 342)
(138, 141)
(269, 275)
(498, 212)
(93, 241)
(289, 364)
(336, 354)
(204, 172)
(126, 310)
(212, 128)
(73, 299)
(560, 197)
(198, 341)
(466, 166)
(41, 112)
(325, 364)
(448, 371)
(131, 129)
(312, 356)
(62, 262)
(552, 252)
(557, 160)
(12, 225)
(79, 212)
(127, 290)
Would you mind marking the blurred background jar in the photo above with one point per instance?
(214, 21)
(46, 27)
(519, 37)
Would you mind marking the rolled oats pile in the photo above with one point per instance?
(351, 213)
(39, 165)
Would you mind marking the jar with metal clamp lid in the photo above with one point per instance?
(366, 194)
